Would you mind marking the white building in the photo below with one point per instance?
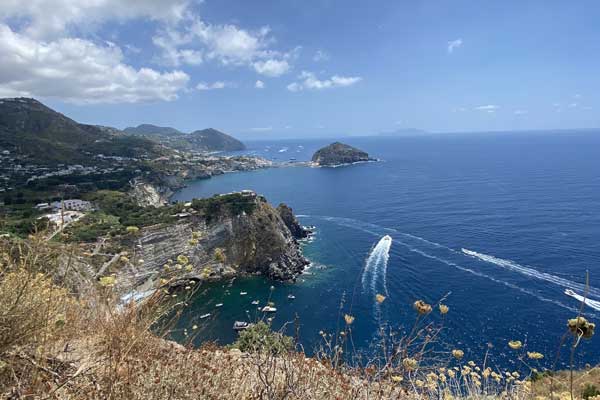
(72, 204)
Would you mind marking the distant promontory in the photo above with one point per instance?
(339, 154)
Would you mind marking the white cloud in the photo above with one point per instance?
(214, 86)
(573, 105)
(227, 44)
(78, 70)
(521, 112)
(271, 67)
(50, 19)
(259, 84)
(454, 44)
(491, 108)
(168, 41)
(262, 129)
(320, 55)
(309, 81)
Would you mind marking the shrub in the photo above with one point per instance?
(590, 391)
(32, 308)
(260, 338)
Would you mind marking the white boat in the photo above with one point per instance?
(241, 325)
(243, 293)
(219, 305)
(205, 316)
(255, 302)
(291, 297)
(269, 309)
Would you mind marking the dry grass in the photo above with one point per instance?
(56, 343)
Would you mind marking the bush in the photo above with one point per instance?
(260, 338)
(32, 308)
(590, 391)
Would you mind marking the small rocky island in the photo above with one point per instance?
(339, 154)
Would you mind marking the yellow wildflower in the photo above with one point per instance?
(581, 327)
(379, 298)
(396, 378)
(349, 319)
(183, 260)
(458, 354)
(421, 307)
(444, 309)
(108, 281)
(515, 344)
(534, 355)
(410, 364)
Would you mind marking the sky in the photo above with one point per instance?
(307, 68)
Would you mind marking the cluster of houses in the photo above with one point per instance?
(15, 169)
(66, 205)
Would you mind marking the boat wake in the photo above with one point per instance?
(375, 271)
(372, 274)
(591, 303)
(521, 269)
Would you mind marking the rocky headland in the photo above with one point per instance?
(337, 154)
(211, 239)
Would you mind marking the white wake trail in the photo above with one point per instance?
(376, 265)
(512, 266)
(592, 303)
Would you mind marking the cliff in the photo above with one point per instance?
(339, 154)
(226, 235)
(290, 220)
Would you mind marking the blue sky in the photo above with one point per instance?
(268, 69)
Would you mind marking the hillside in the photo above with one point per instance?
(214, 140)
(152, 130)
(201, 140)
(28, 128)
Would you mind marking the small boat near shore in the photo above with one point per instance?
(269, 309)
(291, 297)
(255, 302)
(203, 316)
(219, 305)
(243, 293)
(241, 326)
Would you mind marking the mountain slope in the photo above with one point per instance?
(201, 140)
(30, 129)
(152, 130)
(214, 140)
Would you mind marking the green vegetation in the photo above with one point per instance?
(260, 338)
(51, 138)
(590, 391)
(128, 212)
(93, 226)
(234, 203)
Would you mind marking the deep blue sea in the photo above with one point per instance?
(524, 206)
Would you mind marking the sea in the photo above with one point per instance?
(497, 226)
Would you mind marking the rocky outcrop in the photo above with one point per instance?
(339, 154)
(147, 194)
(223, 236)
(290, 220)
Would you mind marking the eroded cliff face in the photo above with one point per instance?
(146, 194)
(241, 234)
(290, 220)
